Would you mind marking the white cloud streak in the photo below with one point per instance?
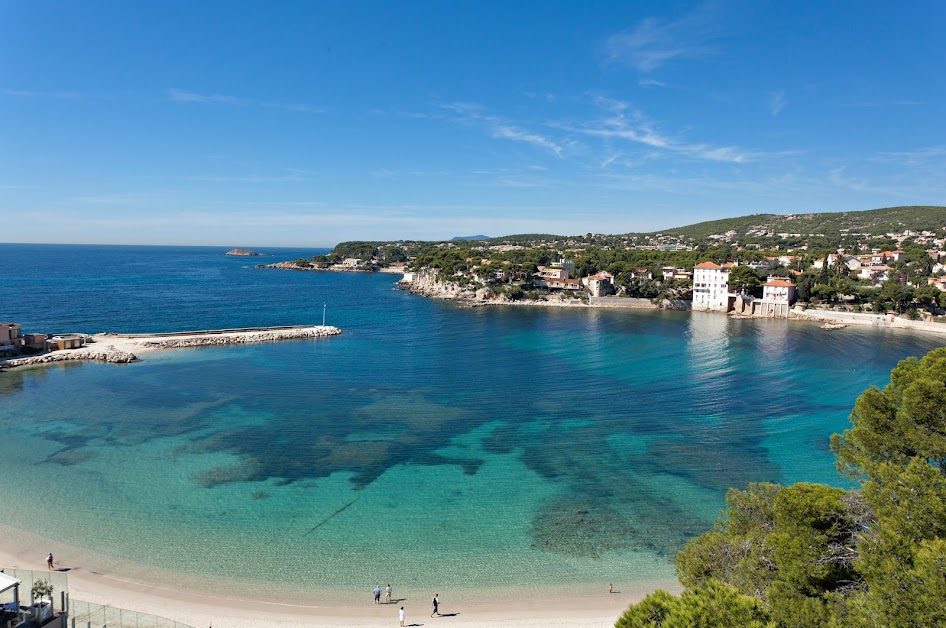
(23, 93)
(499, 128)
(184, 96)
(624, 122)
(652, 43)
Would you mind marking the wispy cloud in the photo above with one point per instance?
(652, 42)
(516, 134)
(777, 102)
(184, 96)
(250, 178)
(881, 103)
(624, 122)
(920, 156)
(24, 93)
(180, 95)
(649, 82)
(106, 199)
(499, 128)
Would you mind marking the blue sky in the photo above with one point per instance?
(307, 123)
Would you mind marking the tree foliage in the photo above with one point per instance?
(813, 555)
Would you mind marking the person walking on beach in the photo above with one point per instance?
(400, 615)
(377, 594)
(436, 603)
(387, 594)
(49, 561)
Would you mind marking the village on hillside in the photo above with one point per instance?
(757, 274)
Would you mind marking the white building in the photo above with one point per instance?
(777, 297)
(600, 284)
(711, 286)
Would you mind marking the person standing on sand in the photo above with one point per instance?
(400, 615)
(377, 594)
(436, 603)
(387, 594)
(610, 588)
(49, 561)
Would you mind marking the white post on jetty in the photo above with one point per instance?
(323, 315)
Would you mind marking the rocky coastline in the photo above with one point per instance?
(337, 268)
(109, 354)
(428, 284)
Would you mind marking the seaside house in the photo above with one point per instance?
(600, 284)
(777, 297)
(11, 338)
(551, 277)
(711, 287)
(13, 341)
(562, 284)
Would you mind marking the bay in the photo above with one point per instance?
(430, 444)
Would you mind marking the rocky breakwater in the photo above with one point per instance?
(234, 338)
(104, 354)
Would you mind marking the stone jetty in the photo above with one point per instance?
(124, 348)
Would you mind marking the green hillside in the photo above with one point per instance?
(873, 221)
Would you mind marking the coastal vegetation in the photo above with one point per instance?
(815, 555)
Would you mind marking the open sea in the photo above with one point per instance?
(430, 445)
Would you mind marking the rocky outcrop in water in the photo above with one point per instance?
(244, 253)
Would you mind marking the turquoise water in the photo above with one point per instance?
(430, 445)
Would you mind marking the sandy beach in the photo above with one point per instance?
(98, 580)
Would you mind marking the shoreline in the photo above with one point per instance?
(101, 580)
(118, 348)
(430, 287)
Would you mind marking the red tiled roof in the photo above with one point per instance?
(708, 265)
(779, 283)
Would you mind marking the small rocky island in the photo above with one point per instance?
(244, 253)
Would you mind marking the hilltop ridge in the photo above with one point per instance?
(872, 221)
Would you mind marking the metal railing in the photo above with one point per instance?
(88, 615)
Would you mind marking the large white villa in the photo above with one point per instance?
(711, 287)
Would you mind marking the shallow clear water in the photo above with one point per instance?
(430, 444)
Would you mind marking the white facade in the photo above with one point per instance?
(711, 287)
(777, 297)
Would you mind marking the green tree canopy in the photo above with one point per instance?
(813, 555)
